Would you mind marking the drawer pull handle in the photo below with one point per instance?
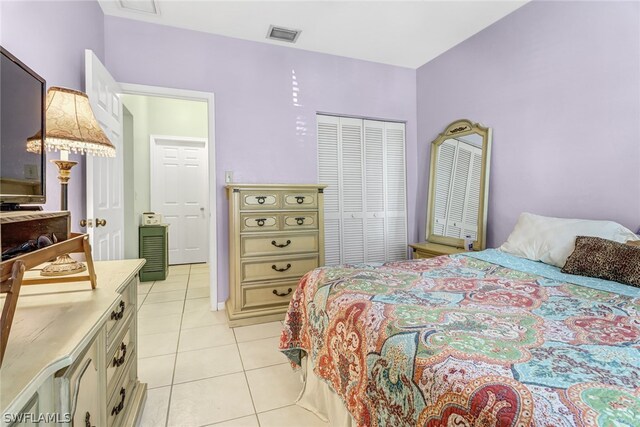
(300, 199)
(300, 220)
(117, 315)
(87, 420)
(120, 406)
(261, 199)
(120, 360)
(281, 269)
(273, 242)
(260, 221)
(284, 294)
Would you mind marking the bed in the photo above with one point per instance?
(475, 339)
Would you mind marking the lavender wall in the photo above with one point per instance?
(50, 37)
(559, 83)
(262, 134)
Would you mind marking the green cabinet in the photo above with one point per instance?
(154, 247)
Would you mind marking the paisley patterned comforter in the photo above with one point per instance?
(470, 340)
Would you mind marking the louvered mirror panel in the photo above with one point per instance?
(458, 185)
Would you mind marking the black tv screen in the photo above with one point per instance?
(22, 95)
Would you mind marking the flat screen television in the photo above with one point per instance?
(22, 115)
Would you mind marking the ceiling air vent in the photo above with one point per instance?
(283, 34)
(144, 6)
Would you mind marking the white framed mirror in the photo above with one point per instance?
(459, 185)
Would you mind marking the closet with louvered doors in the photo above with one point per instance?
(458, 174)
(363, 164)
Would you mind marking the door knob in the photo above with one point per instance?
(86, 223)
(101, 222)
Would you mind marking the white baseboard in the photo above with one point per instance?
(220, 306)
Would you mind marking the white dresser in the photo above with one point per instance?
(72, 353)
(275, 237)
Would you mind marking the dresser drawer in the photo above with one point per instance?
(119, 401)
(258, 222)
(120, 312)
(279, 244)
(118, 357)
(299, 220)
(260, 296)
(257, 199)
(282, 268)
(299, 200)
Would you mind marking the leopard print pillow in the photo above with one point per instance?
(605, 259)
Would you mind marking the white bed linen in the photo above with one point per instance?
(317, 397)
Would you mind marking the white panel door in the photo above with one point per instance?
(179, 186)
(104, 175)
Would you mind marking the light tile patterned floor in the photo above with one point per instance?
(200, 372)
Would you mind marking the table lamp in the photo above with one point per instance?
(70, 126)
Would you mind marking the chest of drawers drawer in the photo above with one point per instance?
(299, 221)
(299, 200)
(277, 268)
(271, 295)
(278, 244)
(259, 222)
(252, 199)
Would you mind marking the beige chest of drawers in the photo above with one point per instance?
(72, 358)
(275, 237)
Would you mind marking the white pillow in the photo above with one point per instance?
(552, 240)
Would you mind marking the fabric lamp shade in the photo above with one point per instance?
(71, 126)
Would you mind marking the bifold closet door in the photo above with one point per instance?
(395, 191)
(329, 174)
(362, 162)
(352, 190)
(375, 242)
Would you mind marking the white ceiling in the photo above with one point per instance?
(403, 33)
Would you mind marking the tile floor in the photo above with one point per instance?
(201, 372)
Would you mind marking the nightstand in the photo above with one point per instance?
(431, 250)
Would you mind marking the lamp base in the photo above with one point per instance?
(63, 266)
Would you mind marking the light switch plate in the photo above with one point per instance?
(228, 177)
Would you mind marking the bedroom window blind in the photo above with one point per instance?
(363, 164)
(460, 167)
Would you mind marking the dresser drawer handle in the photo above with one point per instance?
(284, 294)
(273, 242)
(261, 199)
(117, 315)
(300, 220)
(120, 360)
(300, 199)
(260, 221)
(120, 406)
(281, 269)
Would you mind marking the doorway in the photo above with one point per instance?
(174, 121)
(179, 179)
